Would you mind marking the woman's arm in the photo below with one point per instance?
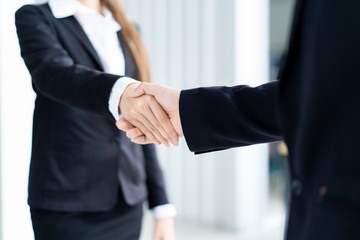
(154, 178)
(57, 77)
(53, 71)
(164, 212)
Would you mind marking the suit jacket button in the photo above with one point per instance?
(297, 187)
(322, 191)
(117, 141)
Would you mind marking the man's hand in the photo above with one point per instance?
(164, 229)
(149, 118)
(167, 97)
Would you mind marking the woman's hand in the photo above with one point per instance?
(146, 114)
(164, 229)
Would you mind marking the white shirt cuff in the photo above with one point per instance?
(115, 95)
(164, 211)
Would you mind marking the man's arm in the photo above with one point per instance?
(218, 117)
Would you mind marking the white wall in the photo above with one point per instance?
(280, 18)
(252, 68)
(198, 43)
(16, 105)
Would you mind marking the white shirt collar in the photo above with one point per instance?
(67, 8)
(64, 8)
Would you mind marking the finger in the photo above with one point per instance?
(134, 133)
(159, 126)
(148, 133)
(141, 140)
(141, 112)
(124, 125)
(138, 91)
(148, 119)
(145, 88)
(164, 124)
(146, 126)
(157, 236)
(137, 136)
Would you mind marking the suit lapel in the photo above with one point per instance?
(130, 66)
(78, 31)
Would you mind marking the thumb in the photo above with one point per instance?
(145, 88)
(138, 91)
(124, 125)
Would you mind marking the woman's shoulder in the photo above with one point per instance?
(30, 9)
(33, 15)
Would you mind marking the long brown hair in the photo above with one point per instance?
(132, 39)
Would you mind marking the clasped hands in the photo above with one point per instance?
(150, 114)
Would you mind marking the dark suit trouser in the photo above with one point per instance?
(121, 223)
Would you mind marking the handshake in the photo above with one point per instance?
(150, 114)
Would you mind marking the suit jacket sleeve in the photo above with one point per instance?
(155, 179)
(217, 118)
(54, 73)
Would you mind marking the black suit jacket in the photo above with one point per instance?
(79, 157)
(315, 107)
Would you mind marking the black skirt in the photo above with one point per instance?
(121, 223)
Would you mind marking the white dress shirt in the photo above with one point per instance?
(102, 33)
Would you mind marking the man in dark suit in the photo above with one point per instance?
(314, 107)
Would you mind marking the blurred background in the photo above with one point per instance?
(233, 194)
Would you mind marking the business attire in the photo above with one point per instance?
(314, 107)
(87, 179)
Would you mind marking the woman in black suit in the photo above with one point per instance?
(87, 180)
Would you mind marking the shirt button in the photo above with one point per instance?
(297, 187)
